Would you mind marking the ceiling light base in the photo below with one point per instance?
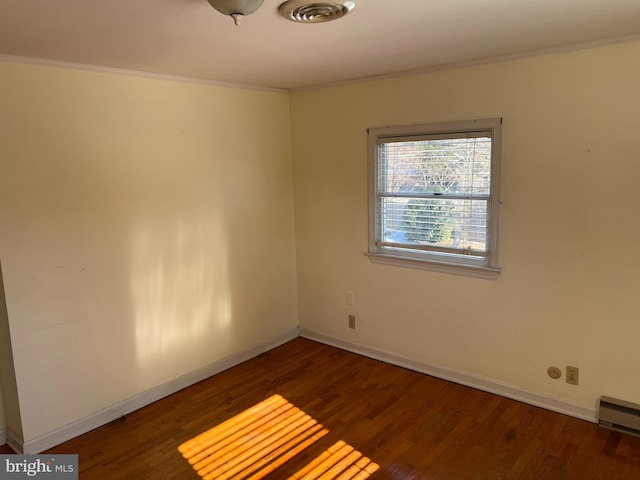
(237, 17)
(236, 9)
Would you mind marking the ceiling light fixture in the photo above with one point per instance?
(305, 11)
(236, 9)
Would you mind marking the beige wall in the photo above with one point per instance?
(568, 294)
(3, 419)
(146, 231)
(146, 228)
(9, 409)
(4, 343)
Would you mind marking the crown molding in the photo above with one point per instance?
(133, 73)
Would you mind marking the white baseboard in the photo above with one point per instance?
(109, 414)
(480, 383)
(143, 399)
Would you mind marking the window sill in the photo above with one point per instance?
(488, 273)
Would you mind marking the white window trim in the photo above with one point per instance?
(489, 271)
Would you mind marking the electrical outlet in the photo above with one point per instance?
(350, 298)
(572, 375)
(352, 321)
(554, 372)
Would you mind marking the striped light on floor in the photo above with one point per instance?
(257, 441)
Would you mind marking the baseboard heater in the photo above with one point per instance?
(619, 415)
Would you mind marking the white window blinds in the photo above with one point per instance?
(433, 193)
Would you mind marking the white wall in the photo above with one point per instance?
(568, 294)
(146, 231)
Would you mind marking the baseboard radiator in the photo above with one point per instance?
(619, 415)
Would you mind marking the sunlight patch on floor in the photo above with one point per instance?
(257, 441)
(341, 462)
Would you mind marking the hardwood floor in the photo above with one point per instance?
(411, 425)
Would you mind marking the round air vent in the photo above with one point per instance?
(304, 11)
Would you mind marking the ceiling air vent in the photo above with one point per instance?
(304, 11)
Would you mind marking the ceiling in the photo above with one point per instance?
(188, 38)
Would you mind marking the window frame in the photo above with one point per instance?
(424, 258)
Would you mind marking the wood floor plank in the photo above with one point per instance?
(409, 425)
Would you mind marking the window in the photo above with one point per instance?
(434, 193)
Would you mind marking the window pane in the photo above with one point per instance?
(460, 166)
(445, 223)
